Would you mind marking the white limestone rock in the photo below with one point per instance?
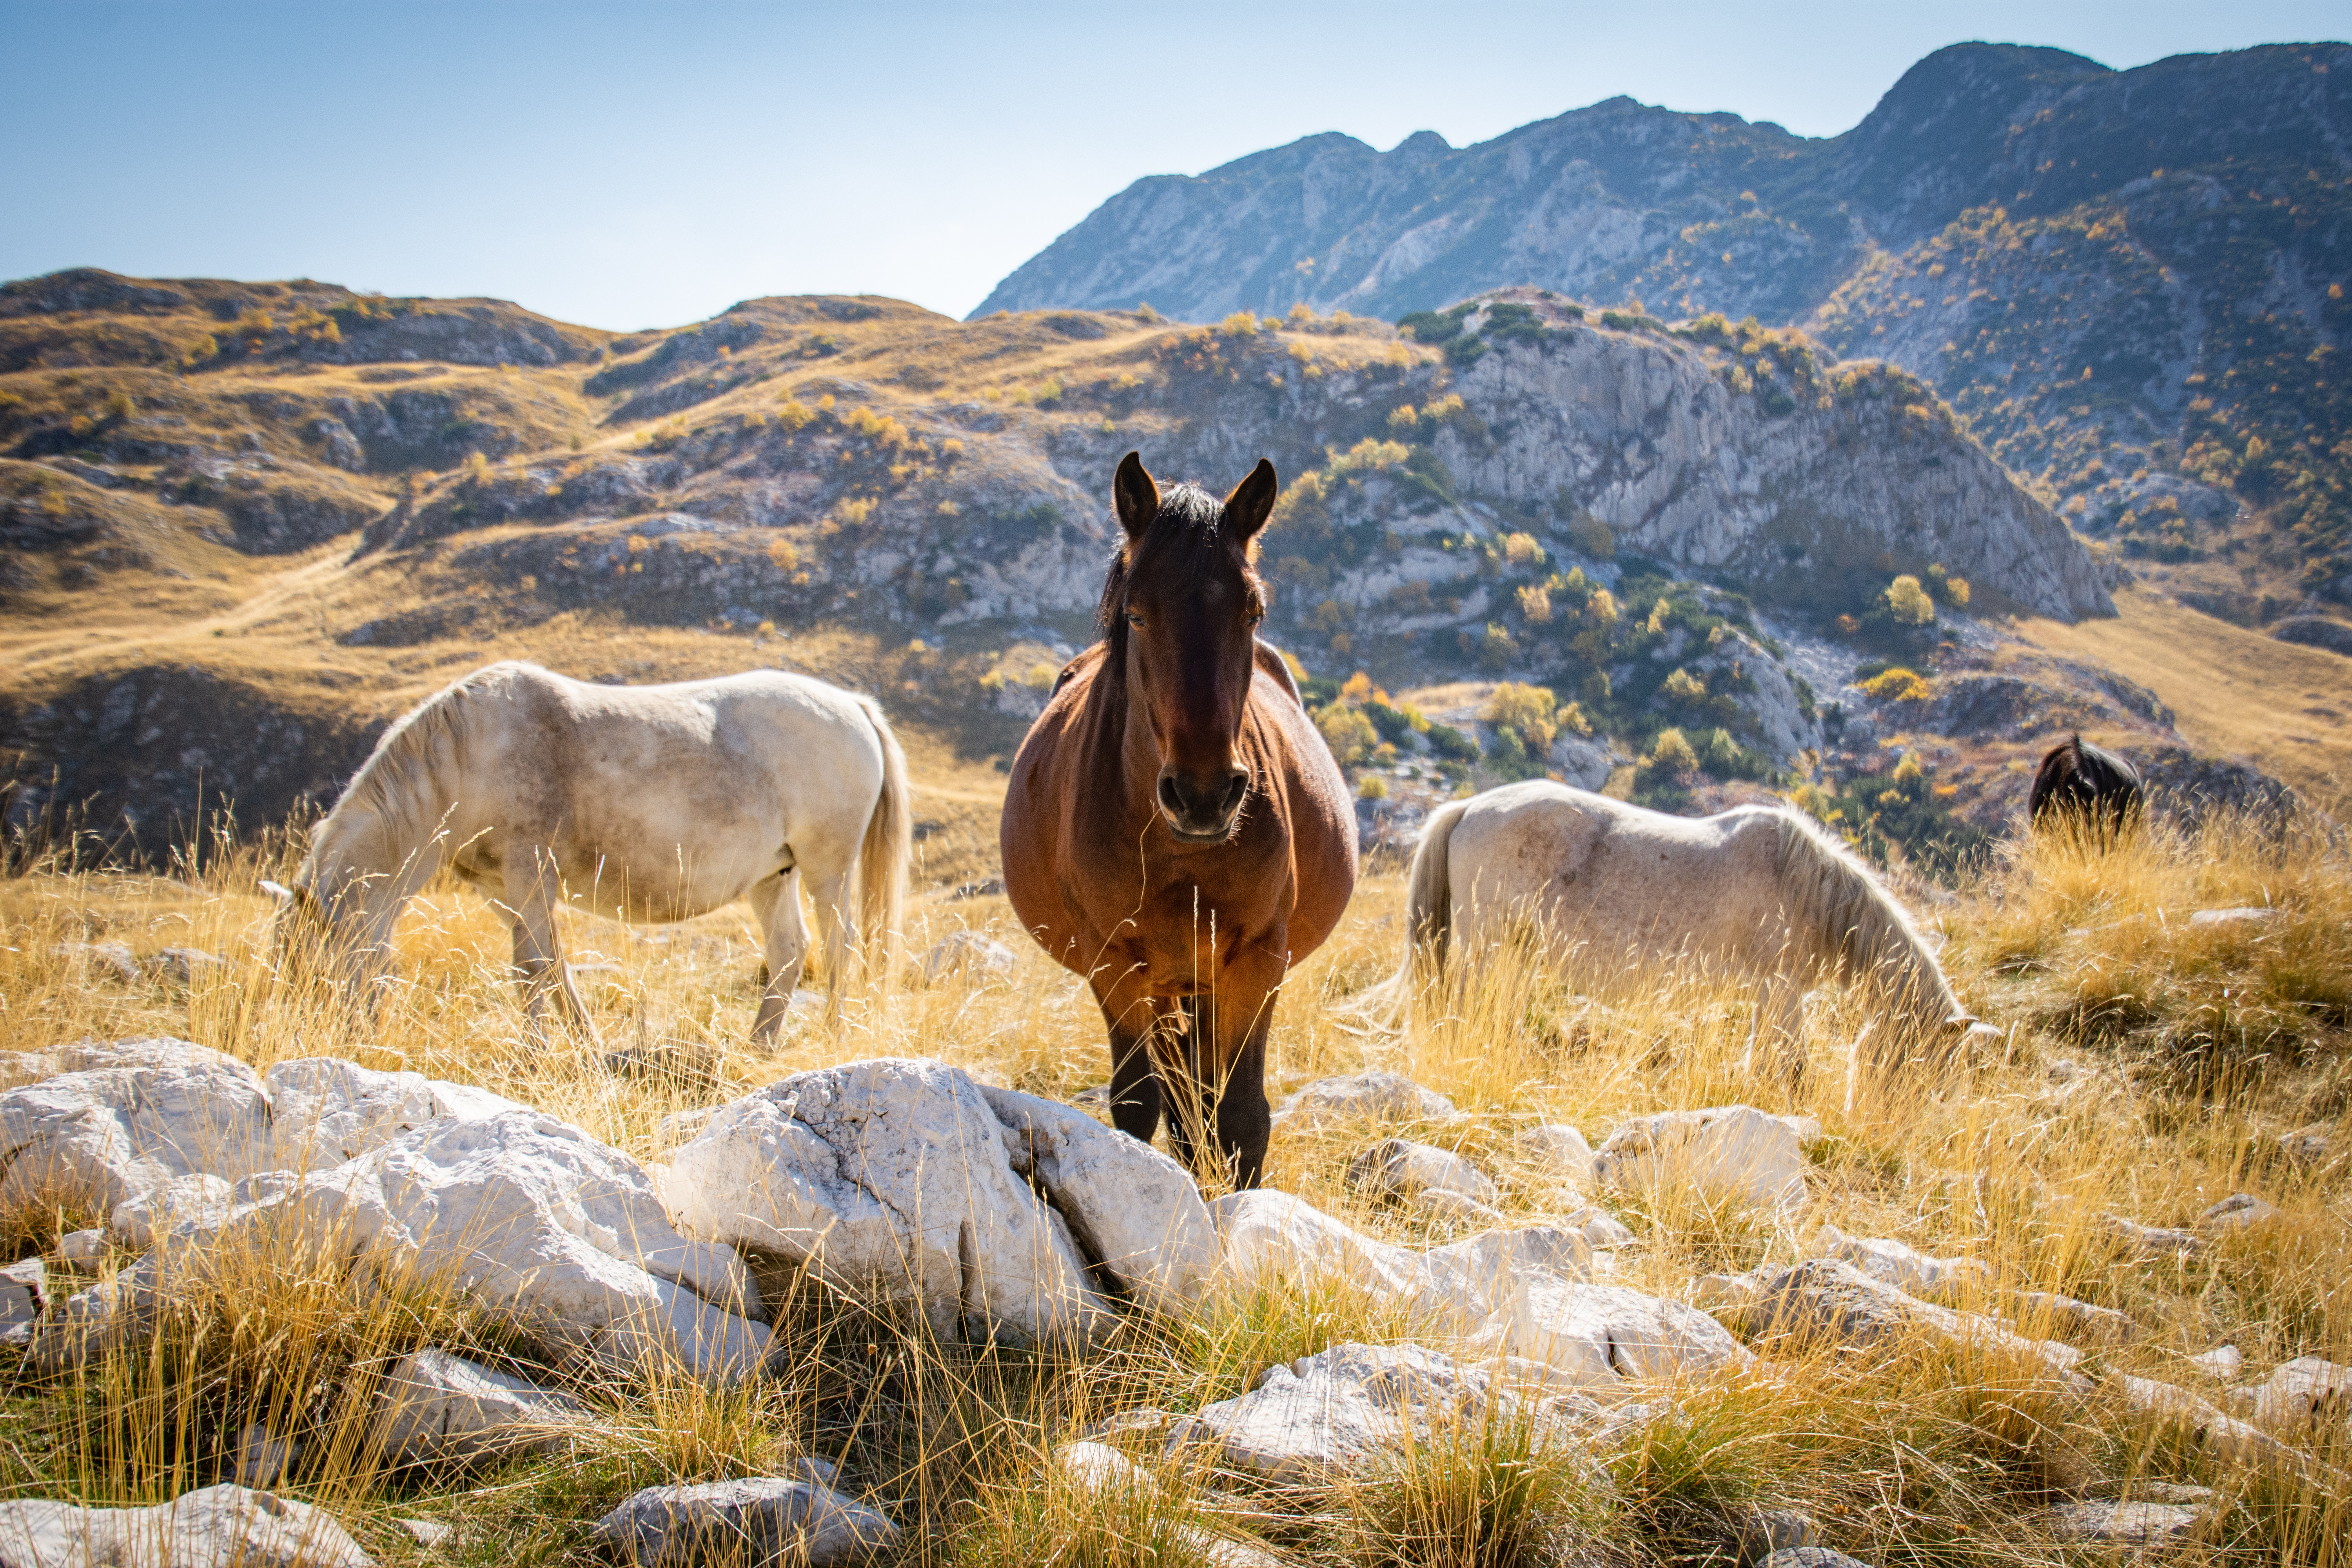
(127, 1118)
(1380, 1096)
(1733, 1149)
(1403, 1170)
(895, 1177)
(1600, 1228)
(82, 1247)
(111, 959)
(2227, 1438)
(2222, 1361)
(433, 1406)
(327, 1110)
(2308, 1389)
(1902, 1267)
(2151, 1239)
(2239, 1211)
(217, 1527)
(24, 1292)
(1599, 1336)
(1131, 1209)
(970, 953)
(2077, 1320)
(185, 965)
(756, 1520)
(1559, 1148)
(1332, 1414)
(534, 1218)
(2107, 1521)
(1832, 1297)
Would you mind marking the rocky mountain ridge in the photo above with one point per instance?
(2130, 283)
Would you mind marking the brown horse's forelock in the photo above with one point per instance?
(1184, 543)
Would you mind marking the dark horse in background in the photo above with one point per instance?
(2087, 785)
(1175, 829)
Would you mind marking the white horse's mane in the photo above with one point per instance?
(1855, 923)
(401, 791)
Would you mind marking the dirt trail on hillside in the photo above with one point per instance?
(274, 594)
(2285, 708)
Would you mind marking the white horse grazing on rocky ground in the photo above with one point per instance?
(1616, 892)
(649, 802)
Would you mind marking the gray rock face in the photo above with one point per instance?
(436, 1406)
(759, 1521)
(217, 1527)
(1812, 1557)
(2239, 1211)
(899, 1176)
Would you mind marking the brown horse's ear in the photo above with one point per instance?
(1252, 502)
(1133, 495)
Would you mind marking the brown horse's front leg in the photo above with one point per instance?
(1244, 1120)
(1134, 1081)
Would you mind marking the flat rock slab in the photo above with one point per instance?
(1602, 1336)
(1812, 1557)
(905, 1179)
(2308, 1388)
(434, 1405)
(2103, 1521)
(218, 1527)
(760, 1519)
(1334, 1412)
(1904, 1267)
(1834, 1298)
(2155, 1240)
(2239, 1211)
(1364, 1097)
(1734, 1149)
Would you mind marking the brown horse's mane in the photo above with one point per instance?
(1185, 542)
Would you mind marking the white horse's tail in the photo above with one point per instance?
(882, 857)
(1428, 917)
(1857, 925)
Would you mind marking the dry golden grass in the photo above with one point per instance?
(1908, 1453)
(2234, 691)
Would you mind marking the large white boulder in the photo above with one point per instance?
(533, 1219)
(1732, 1148)
(325, 1111)
(893, 1179)
(218, 1527)
(1132, 1210)
(1560, 1149)
(127, 1118)
(434, 1405)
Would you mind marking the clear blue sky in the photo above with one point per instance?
(633, 165)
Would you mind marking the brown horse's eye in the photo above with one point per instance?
(1135, 620)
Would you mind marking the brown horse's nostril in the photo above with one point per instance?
(1236, 786)
(1171, 799)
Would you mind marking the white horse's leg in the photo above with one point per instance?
(839, 929)
(1779, 1032)
(776, 904)
(530, 884)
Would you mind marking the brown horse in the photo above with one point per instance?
(1176, 830)
(2087, 786)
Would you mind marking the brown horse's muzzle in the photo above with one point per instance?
(1201, 806)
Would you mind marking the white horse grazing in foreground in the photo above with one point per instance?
(649, 803)
(1619, 890)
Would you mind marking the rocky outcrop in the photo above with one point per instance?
(217, 1527)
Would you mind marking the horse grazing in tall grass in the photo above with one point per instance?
(2087, 786)
(1620, 893)
(649, 803)
(1176, 831)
